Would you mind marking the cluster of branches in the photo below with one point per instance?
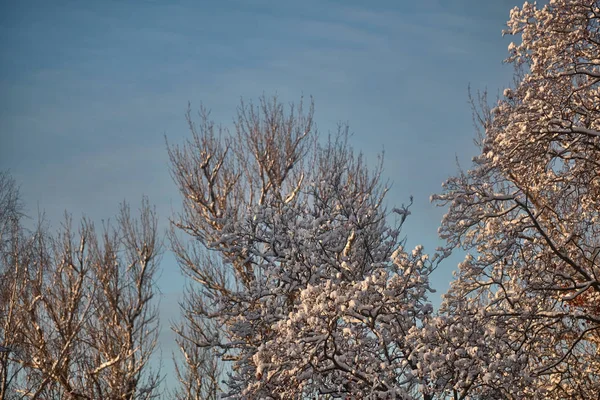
(77, 318)
(300, 283)
(303, 288)
(524, 311)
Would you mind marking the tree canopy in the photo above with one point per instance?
(300, 282)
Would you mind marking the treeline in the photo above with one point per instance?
(301, 283)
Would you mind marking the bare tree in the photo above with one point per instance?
(10, 282)
(198, 369)
(125, 323)
(82, 316)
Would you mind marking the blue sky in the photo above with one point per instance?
(89, 89)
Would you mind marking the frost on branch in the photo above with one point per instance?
(528, 213)
(301, 287)
(350, 337)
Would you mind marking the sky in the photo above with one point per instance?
(89, 91)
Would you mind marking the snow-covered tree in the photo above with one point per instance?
(522, 318)
(302, 287)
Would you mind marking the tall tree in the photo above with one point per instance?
(522, 318)
(302, 285)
